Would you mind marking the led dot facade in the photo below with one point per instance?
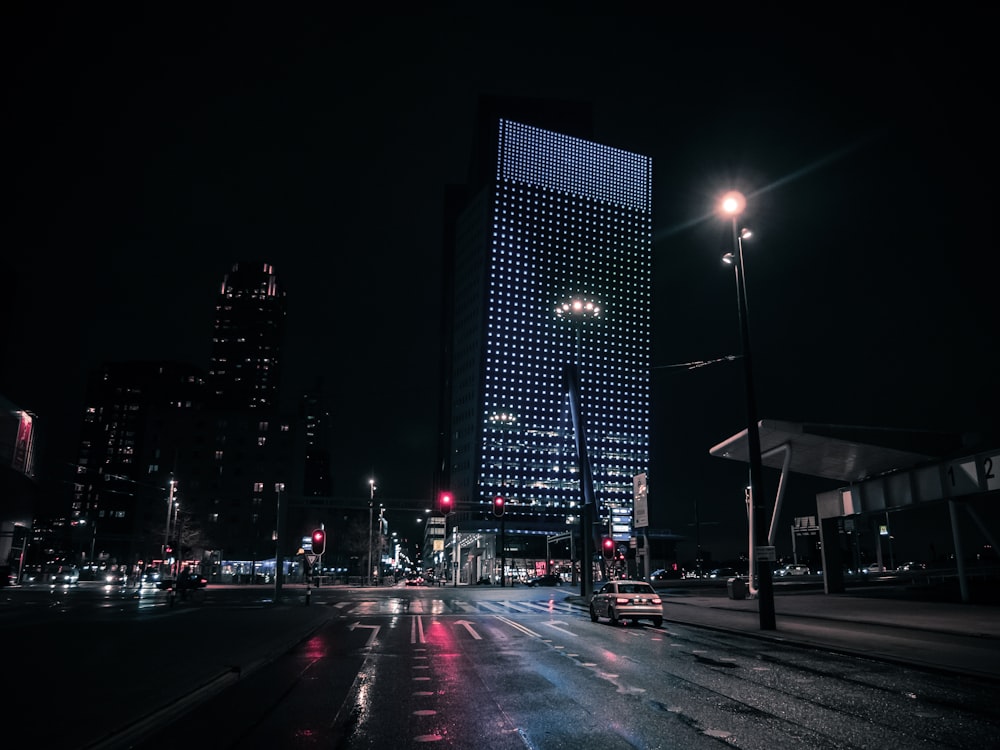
(565, 221)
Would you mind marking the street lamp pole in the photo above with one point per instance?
(371, 504)
(166, 528)
(380, 547)
(733, 204)
(577, 310)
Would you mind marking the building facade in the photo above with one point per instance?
(552, 273)
(18, 487)
(119, 510)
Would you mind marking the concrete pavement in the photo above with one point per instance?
(882, 624)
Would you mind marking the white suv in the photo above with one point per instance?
(627, 600)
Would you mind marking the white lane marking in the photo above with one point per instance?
(555, 626)
(519, 626)
(549, 607)
(417, 630)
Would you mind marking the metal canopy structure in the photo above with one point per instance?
(837, 452)
(884, 468)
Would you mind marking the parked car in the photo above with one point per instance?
(793, 570)
(666, 574)
(627, 600)
(723, 573)
(194, 582)
(844, 569)
(549, 579)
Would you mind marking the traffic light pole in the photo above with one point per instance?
(279, 558)
(503, 554)
(499, 511)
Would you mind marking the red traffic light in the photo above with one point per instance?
(498, 506)
(608, 547)
(446, 502)
(319, 541)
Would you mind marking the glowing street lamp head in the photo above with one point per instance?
(578, 308)
(733, 203)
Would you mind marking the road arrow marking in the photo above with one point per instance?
(373, 628)
(468, 626)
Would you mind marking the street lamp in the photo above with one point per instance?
(732, 205)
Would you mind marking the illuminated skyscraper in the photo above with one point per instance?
(557, 218)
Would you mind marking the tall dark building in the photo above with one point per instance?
(173, 458)
(119, 509)
(315, 424)
(246, 345)
(552, 268)
(18, 486)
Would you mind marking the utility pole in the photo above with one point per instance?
(371, 505)
(166, 528)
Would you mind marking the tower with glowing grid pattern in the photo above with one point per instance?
(559, 218)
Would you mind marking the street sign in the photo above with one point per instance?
(311, 558)
(991, 472)
(640, 508)
(765, 554)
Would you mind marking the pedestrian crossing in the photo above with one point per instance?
(442, 606)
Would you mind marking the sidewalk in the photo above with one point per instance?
(949, 637)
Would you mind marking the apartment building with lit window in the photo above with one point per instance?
(250, 311)
(218, 436)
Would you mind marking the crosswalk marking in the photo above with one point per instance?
(446, 606)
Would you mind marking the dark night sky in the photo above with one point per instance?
(149, 149)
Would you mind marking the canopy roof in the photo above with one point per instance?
(839, 452)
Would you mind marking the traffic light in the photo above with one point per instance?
(498, 506)
(608, 547)
(319, 541)
(446, 502)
